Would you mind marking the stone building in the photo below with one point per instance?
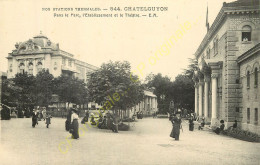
(40, 53)
(228, 59)
(148, 106)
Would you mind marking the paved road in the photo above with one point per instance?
(148, 142)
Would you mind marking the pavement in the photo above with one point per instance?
(147, 143)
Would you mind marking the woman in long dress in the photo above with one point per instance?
(176, 120)
(75, 124)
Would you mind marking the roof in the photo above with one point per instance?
(149, 93)
(251, 52)
(236, 6)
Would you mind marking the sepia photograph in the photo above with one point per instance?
(123, 82)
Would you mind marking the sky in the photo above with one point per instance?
(98, 40)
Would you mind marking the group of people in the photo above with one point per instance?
(107, 121)
(37, 115)
(176, 123)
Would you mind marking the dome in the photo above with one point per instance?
(36, 44)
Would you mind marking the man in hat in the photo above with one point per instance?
(34, 118)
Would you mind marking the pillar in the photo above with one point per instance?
(196, 98)
(200, 98)
(206, 97)
(214, 96)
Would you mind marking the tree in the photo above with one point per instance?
(70, 89)
(24, 84)
(191, 67)
(162, 86)
(43, 88)
(114, 86)
(182, 91)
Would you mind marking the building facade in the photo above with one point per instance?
(148, 106)
(229, 47)
(40, 53)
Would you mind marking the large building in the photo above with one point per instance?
(40, 53)
(227, 82)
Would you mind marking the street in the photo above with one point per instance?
(147, 142)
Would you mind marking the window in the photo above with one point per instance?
(21, 67)
(246, 33)
(69, 62)
(256, 115)
(248, 79)
(30, 68)
(256, 77)
(248, 115)
(39, 66)
(215, 45)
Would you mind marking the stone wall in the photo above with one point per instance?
(251, 95)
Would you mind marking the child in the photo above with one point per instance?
(48, 120)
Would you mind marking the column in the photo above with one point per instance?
(214, 95)
(200, 98)
(196, 98)
(206, 97)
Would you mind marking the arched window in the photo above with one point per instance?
(21, 67)
(246, 33)
(256, 77)
(39, 66)
(30, 68)
(248, 79)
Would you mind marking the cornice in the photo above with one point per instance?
(249, 53)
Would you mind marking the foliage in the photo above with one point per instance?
(25, 91)
(191, 68)
(180, 91)
(24, 85)
(70, 89)
(242, 135)
(114, 80)
(43, 88)
(162, 85)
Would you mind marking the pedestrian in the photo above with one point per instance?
(92, 120)
(44, 113)
(218, 130)
(85, 118)
(48, 120)
(115, 123)
(176, 120)
(34, 118)
(191, 124)
(74, 124)
(67, 122)
(87, 115)
(109, 121)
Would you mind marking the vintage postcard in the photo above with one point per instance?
(124, 82)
